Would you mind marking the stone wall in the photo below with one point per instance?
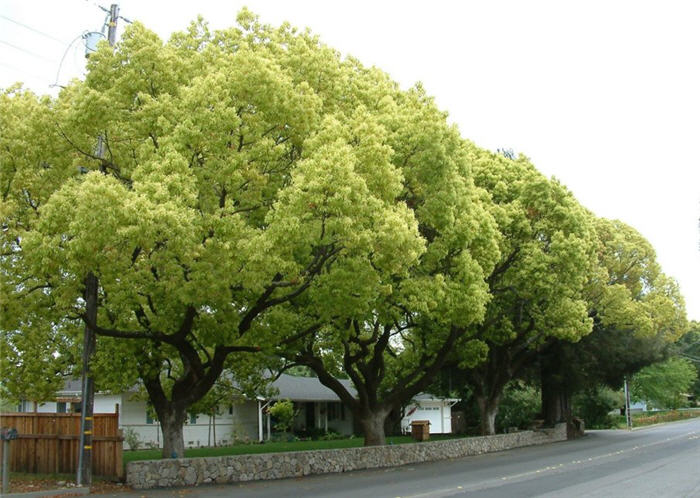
(220, 470)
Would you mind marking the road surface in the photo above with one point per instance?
(658, 461)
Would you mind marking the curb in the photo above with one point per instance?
(82, 490)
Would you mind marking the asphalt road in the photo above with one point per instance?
(657, 461)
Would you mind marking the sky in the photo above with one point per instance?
(602, 95)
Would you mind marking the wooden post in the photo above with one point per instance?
(35, 430)
(5, 466)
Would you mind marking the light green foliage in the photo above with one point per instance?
(399, 329)
(663, 384)
(547, 252)
(629, 292)
(31, 364)
(283, 411)
(241, 169)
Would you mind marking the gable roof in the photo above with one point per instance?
(307, 389)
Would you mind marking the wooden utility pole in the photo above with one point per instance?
(84, 476)
(628, 414)
(112, 28)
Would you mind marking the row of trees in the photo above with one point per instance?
(258, 201)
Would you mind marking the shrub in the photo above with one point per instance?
(283, 412)
(518, 408)
(330, 436)
(594, 406)
(132, 438)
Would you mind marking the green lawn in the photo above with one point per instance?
(272, 447)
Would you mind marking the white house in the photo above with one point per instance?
(318, 409)
(437, 411)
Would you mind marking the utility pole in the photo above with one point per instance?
(84, 476)
(112, 26)
(628, 415)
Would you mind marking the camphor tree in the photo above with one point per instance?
(32, 364)
(546, 246)
(637, 314)
(231, 181)
(392, 339)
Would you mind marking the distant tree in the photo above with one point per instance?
(663, 384)
(688, 347)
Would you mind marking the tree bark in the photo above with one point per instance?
(555, 404)
(488, 409)
(556, 398)
(213, 427)
(372, 424)
(172, 421)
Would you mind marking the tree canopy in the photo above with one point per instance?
(247, 198)
(239, 169)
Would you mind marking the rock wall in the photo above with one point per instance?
(228, 469)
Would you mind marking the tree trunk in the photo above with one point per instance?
(213, 427)
(372, 424)
(555, 405)
(172, 420)
(556, 398)
(488, 409)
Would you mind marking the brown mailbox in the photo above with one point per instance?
(420, 430)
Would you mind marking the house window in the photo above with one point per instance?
(149, 419)
(61, 407)
(193, 418)
(75, 407)
(336, 411)
(230, 409)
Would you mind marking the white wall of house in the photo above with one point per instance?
(236, 422)
(437, 412)
(104, 403)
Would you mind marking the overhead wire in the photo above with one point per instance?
(50, 37)
(25, 51)
(60, 65)
(34, 76)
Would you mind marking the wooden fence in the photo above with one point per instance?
(49, 443)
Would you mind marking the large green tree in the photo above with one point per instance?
(239, 170)
(546, 245)
(398, 336)
(637, 313)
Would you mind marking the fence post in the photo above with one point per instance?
(5, 466)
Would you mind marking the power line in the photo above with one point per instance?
(26, 51)
(34, 30)
(34, 76)
(60, 64)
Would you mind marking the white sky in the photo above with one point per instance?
(604, 95)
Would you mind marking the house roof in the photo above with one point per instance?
(290, 387)
(307, 389)
(430, 397)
